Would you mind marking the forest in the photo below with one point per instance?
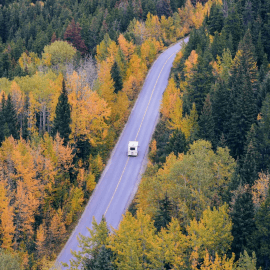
(204, 200)
(70, 73)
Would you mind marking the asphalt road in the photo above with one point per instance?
(120, 179)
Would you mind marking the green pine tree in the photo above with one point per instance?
(244, 91)
(263, 134)
(164, 213)
(2, 119)
(103, 260)
(206, 122)
(220, 110)
(11, 119)
(177, 143)
(243, 223)
(262, 234)
(25, 132)
(93, 249)
(233, 26)
(62, 118)
(215, 19)
(200, 83)
(115, 73)
(249, 170)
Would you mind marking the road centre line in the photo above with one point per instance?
(152, 95)
(116, 186)
(137, 134)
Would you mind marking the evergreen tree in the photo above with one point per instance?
(2, 118)
(232, 25)
(219, 44)
(215, 19)
(260, 50)
(248, 15)
(263, 135)
(220, 110)
(249, 170)
(177, 143)
(200, 83)
(11, 126)
(62, 118)
(206, 121)
(262, 234)
(116, 76)
(264, 90)
(164, 214)
(243, 223)
(25, 132)
(103, 260)
(244, 91)
(93, 252)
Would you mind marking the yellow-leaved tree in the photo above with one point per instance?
(7, 228)
(134, 242)
(126, 47)
(134, 76)
(212, 234)
(89, 112)
(58, 53)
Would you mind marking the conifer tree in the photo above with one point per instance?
(177, 143)
(244, 91)
(2, 118)
(62, 118)
(215, 19)
(11, 126)
(243, 223)
(25, 132)
(249, 170)
(263, 134)
(93, 251)
(262, 234)
(103, 260)
(232, 26)
(200, 83)
(164, 215)
(115, 74)
(206, 121)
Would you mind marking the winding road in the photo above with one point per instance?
(121, 177)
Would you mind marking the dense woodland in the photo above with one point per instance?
(28, 26)
(70, 75)
(204, 200)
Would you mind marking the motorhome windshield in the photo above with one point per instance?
(132, 148)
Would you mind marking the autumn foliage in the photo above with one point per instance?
(45, 180)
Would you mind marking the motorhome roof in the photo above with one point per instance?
(133, 143)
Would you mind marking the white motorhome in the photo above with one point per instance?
(133, 148)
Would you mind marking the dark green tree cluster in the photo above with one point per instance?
(233, 104)
(30, 25)
(62, 118)
(8, 119)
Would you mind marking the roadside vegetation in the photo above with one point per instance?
(70, 73)
(203, 202)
